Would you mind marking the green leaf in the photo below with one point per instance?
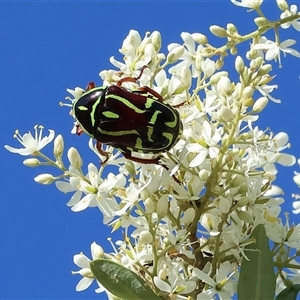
(121, 281)
(257, 277)
(290, 293)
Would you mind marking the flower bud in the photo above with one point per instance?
(199, 38)
(237, 180)
(156, 40)
(216, 77)
(203, 175)
(188, 216)
(260, 104)
(175, 54)
(31, 162)
(129, 166)
(58, 148)
(162, 206)
(218, 31)
(146, 237)
(231, 28)
(44, 178)
(186, 77)
(239, 64)
(261, 21)
(225, 114)
(149, 205)
(282, 4)
(248, 102)
(263, 70)
(224, 86)
(233, 50)
(74, 158)
(247, 92)
(256, 63)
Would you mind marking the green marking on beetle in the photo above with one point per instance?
(94, 107)
(169, 136)
(172, 124)
(110, 114)
(118, 133)
(154, 117)
(127, 103)
(138, 143)
(81, 107)
(149, 102)
(149, 134)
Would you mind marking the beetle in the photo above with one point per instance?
(129, 120)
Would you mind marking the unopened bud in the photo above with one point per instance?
(175, 54)
(188, 216)
(231, 28)
(31, 162)
(149, 205)
(282, 4)
(260, 104)
(156, 40)
(186, 77)
(129, 166)
(225, 114)
(261, 21)
(218, 31)
(162, 206)
(203, 175)
(247, 92)
(44, 179)
(248, 102)
(146, 237)
(263, 70)
(74, 158)
(216, 77)
(256, 63)
(58, 148)
(239, 64)
(199, 38)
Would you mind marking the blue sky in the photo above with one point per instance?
(48, 47)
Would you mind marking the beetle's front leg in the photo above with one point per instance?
(102, 152)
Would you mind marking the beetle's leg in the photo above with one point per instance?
(152, 92)
(132, 79)
(102, 152)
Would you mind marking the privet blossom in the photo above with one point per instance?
(197, 207)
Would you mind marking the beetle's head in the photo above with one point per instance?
(85, 110)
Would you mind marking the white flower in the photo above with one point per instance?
(175, 283)
(273, 49)
(223, 285)
(32, 145)
(83, 262)
(209, 147)
(189, 55)
(254, 4)
(292, 12)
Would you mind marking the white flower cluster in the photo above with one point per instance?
(189, 217)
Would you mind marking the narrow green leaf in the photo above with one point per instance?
(257, 277)
(290, 293)
(120, 281)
